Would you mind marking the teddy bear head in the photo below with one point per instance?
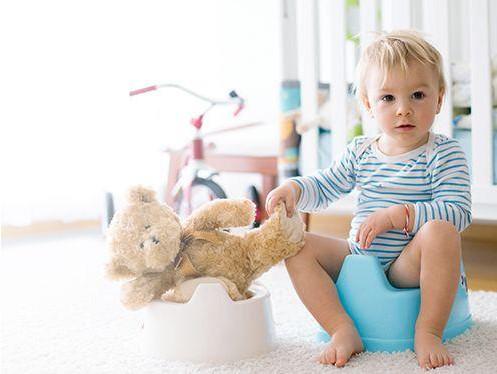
(143, 237)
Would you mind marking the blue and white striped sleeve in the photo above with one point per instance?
(325, 186)
(451, 188)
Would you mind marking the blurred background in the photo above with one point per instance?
(71, 133)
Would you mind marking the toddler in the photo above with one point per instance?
(414, 199)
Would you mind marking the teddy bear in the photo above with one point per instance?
(154, 252)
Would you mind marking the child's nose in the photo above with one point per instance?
(404, 109)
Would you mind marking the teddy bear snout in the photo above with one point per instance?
(158, 251)
(149, 243)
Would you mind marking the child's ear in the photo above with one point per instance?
(440, 99)
(367, 105)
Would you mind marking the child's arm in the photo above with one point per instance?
(393, 217)
(451, 192)
(288, 193)
(451, 189)
(319, 190)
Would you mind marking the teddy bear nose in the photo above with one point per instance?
(150, 241)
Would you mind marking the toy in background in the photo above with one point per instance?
(461, 84)
(155, 252)
(288, 160)
(254, 196)
(322, 121)
(461, 99)
(462, 132)
(192, 184)
(195, 184)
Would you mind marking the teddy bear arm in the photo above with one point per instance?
(116, 270)
(278, 238)
(222, 213)
(137, 293)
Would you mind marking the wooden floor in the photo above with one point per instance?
(480, 263)
(479, 244)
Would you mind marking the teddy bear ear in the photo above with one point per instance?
(140, 194)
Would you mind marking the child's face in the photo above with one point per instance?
(404, 105)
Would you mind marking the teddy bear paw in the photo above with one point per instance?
(292, 227)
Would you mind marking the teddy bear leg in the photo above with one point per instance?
(232, 289)
(137, 293)
(175, 295)
(222, 213)
(292, 227)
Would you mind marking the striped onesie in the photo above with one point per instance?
(433, 177)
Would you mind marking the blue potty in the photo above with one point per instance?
(385, 316)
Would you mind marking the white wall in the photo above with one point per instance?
(69, 128)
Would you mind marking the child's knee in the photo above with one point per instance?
(444, 231)
(440, 228)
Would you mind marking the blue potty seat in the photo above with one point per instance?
(385, 316)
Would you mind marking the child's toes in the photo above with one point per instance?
(331, 356)
(342, 359)
(328, 356)
(448, 359)
(424, 362)
(434, 360)
(443, 359)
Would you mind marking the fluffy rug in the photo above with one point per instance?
(61, 316)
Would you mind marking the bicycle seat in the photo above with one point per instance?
(385, 316)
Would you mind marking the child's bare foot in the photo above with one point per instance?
(345, 342)
(430, 351)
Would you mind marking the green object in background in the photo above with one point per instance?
(354, 131)
(352, 38)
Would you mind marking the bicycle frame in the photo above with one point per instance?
(194, 164)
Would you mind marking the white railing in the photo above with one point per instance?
(433, 19)
(481, 103)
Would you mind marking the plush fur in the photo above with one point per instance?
(146, 238)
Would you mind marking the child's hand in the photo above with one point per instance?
(376, 223)
(288, 192)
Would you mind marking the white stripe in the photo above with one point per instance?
(446, 178)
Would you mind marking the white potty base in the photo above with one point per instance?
(210, 328)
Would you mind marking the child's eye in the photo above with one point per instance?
(387, 98)
(418, 95)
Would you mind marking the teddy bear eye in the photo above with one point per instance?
(147, 227)
(141, 245)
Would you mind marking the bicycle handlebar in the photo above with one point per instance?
(142, 90)
(233, 95)
(198, 121)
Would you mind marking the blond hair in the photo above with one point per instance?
(397, 49)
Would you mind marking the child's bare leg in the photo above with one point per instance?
(312, 271)
(431, 261)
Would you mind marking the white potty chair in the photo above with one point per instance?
(210, 327)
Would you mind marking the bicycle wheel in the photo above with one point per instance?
(202, 191)
(107, 211)
(253, 195)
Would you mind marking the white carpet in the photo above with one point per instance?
(61, 316)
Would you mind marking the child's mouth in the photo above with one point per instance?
(405, 127)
